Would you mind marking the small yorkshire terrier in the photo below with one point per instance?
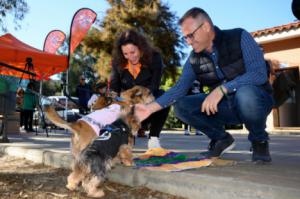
(95, 155)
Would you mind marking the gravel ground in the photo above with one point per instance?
(20, 178)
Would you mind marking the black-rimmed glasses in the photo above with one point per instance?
(191, 35)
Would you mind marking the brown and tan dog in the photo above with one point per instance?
(94, 156)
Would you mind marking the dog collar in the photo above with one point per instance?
(119, 99)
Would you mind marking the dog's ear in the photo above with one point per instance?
(101, 102)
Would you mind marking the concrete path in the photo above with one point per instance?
(281, 179)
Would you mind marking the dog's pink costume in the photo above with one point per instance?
(100, 118)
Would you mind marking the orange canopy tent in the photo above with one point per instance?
(13, 52)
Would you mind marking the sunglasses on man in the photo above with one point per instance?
(191, 35)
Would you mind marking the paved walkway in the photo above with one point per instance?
(244, 180)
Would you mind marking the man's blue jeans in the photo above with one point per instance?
(250, 105)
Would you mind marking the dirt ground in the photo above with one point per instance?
(20, 178)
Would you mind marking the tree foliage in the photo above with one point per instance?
(16, 8)
(51, 87)
(81, 65)
(150, 17)
(172, 121)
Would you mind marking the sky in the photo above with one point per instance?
(47, 15)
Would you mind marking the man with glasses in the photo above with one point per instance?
(231, 66)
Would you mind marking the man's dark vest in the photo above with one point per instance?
(230, 59)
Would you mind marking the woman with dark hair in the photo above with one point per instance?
(19, 105)
(135, 62)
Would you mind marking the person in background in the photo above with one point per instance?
(188, 130)
(83, 92)
(135, 62)
(100, 90)
(19, 105)
(232, 66)
(29, 103)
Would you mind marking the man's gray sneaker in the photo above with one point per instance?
(217, 148)
(260, 152)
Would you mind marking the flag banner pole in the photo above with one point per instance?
(82, 20)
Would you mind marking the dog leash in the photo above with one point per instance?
(89, 119)
(116, 126)
(47, 100)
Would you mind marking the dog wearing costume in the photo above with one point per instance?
(95, 155)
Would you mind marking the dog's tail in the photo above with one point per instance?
(53, 116)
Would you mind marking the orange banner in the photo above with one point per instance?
(53, 41)
(81, 23)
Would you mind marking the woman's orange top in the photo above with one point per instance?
(134, 71)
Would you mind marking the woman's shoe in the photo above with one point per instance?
(153, 142)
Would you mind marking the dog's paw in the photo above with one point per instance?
(128, 163)
(96, 194)
(71, 187)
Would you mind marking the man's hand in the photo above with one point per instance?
(210, 104)
(113, 94)
(143, 111)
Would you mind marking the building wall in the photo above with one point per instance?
(285, 51)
